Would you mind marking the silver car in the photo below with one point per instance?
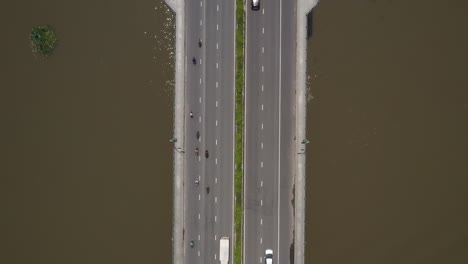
(268, 256)
(255, 4)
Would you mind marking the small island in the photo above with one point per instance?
(43, 40)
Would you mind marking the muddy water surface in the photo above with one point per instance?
(387, 174)
(86, 166)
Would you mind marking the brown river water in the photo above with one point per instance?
(387, 172)
(86, 166)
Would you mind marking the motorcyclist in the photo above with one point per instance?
(196, 151)
(199, 43)
(198, 134)
(197, 181)
(192, 244)
(194, 61)
(191, 114)
(206, 153)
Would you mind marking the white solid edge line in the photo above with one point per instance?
(279, 130)
(245, 132)
(233, 120)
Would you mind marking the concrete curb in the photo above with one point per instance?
(303, 8)
(178, 6)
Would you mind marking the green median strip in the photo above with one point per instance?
(238, 174)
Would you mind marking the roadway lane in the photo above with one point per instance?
(270, 60)
(210, 95)
(288, 125)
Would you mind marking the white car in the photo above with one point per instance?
(268, 256)
(255, 4)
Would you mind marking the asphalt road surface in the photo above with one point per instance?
(269, 130)
(209, 93)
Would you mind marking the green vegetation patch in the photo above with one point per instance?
(43, 39)
(238, 174)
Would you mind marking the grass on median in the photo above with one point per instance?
(238, 174)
